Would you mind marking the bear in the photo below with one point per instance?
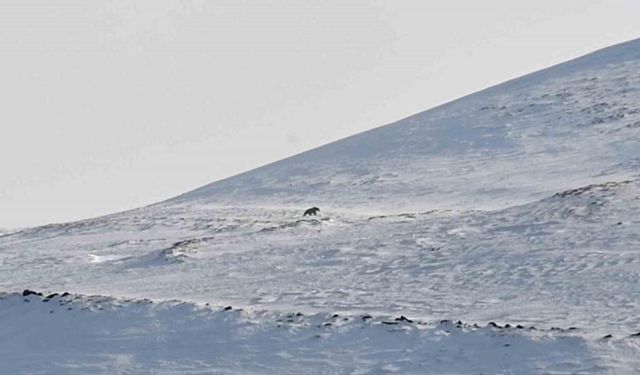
(312, 211)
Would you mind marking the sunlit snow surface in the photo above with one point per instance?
(518, 205)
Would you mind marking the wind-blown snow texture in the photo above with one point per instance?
(518, 205)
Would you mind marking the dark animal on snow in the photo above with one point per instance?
(312, 211)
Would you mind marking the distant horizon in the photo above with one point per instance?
(113, 106)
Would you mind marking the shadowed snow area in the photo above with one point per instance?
(87, 334)
(517, 205)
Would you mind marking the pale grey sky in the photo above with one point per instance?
(112, 104)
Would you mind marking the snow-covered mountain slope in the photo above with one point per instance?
(517, 205)
(578, 250)
(567, 126)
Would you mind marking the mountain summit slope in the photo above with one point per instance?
(569, 125)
